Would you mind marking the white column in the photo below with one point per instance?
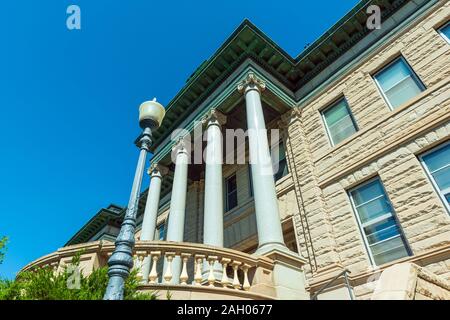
(175, 229)
(213, 210)
(156, 173)
(270, 235)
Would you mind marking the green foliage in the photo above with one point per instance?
(3, 241)
(69, 284)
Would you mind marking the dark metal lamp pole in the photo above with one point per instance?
(151, 114)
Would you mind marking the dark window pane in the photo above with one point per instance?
(282, 163)
(231, 192)
(162, 232)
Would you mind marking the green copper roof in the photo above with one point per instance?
(111, 215)
(247, 41)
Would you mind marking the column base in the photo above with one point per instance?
(287, 278)
(272, 246)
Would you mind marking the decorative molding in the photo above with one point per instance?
(290, 116)
(214, 116)
(157, 169)
(251, 82)
(181, 145)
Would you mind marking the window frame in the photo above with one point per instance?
(283, 158)
(442, 34)
(324, 120)
(227, 208)
(162, 226)
(360, 224)
(415, 77)
(430, 176)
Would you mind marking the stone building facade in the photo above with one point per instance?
(390, 87)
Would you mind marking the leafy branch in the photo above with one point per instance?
(68, 283)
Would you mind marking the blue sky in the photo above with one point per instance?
(69, 99)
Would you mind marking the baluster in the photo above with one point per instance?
(246, 286)
(184, 275)
(198, 269)
(153, 275)
(168, 275)
(211, 276)
(225, 281)
(139, 264)
(236, 283)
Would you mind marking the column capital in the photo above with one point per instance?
(156, 169)
(214, 117)
(251, 82)
(181, 146)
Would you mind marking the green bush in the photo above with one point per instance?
(3, 241)
(45, 284)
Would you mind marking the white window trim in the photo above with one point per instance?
(413, 76)
(443, 35)
(360, 224)
(324, 120)
(430, 176)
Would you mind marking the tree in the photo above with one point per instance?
(68, 284)
(3, 241)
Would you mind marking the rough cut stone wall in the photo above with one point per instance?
(408, 281)
(387, 145)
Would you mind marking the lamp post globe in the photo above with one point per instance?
(151, 115)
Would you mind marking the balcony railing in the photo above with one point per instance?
(236, 266)
(240, 264)
(241, 275)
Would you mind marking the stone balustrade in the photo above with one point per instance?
(239, 276)
(237, 267)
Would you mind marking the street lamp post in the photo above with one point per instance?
(151, 114)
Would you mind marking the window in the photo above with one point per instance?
(231, 192)
(279, 161)
(437, 166)
(445, 32)
(398, 83)
(378, 223)
(161, 232)
(339, 121)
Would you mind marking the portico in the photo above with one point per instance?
(269, 228)
(249, 90)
